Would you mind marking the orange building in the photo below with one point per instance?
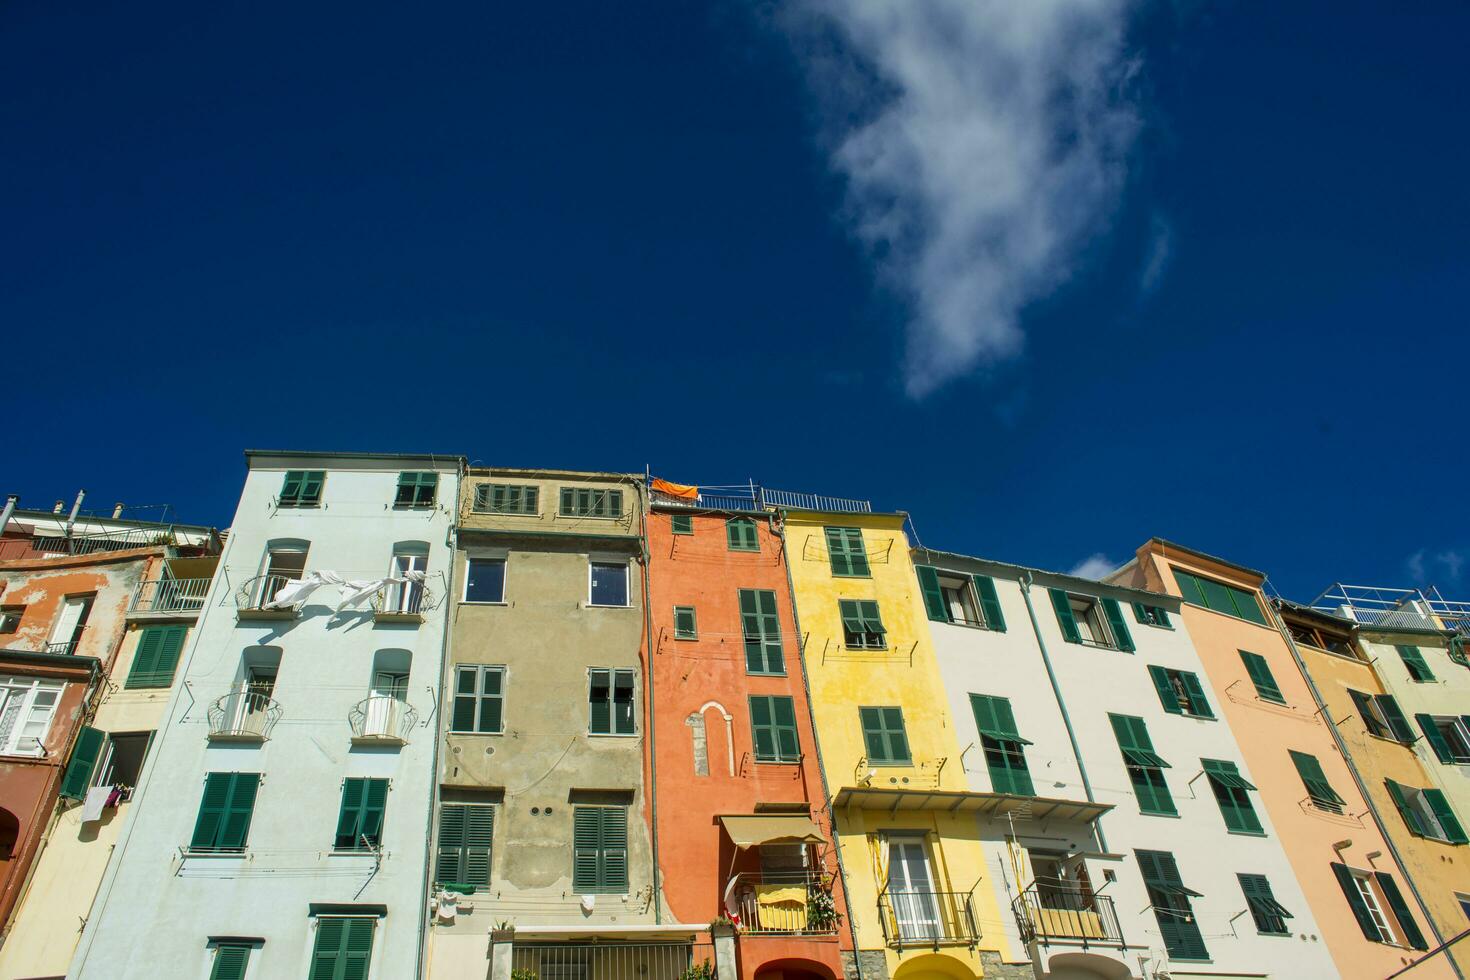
(741, 826)
(1365, 906)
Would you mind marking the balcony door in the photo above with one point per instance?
(385, 704)
(407, 597)
(69, 623)
(911, 890)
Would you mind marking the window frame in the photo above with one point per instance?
(613, 675)
(742, 534)
(681, 524)
(481, 671)
(416, 486)
(776, 728)
(299, 500)
(28, 690)
(693, 632)
(850, 558)
(622, 563)
(484, 493)
(504, 561)
(595, 498)
(860, 610)
(11, 617)
(363, 815)
(886, 733)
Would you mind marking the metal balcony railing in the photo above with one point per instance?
(382, 717)
(913, 919)
(86, 544)
(612, 960)
(403, 599)
(1050, 911)
(256, 592)
(785, 902)
(170, 595)
(243, 716)
(754, 497)
(64, 648)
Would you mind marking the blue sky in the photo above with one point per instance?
(1185, 270)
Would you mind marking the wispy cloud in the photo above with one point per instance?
(1418, 565)
(1453, 561)
(982, 141)
(1157, 255)
(1415, 565)
(1094, 566)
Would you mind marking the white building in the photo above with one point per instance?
(280, 825)
(1123, 830)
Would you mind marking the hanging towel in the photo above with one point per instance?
(680, 490)
(95, 802)
(781, 906)
(448, 906)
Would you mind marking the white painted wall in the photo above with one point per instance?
(156, 911)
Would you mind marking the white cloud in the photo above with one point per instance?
(1156, 258)
(983, 142)
(1453, 561)
(1094, 566)
(1415, 564)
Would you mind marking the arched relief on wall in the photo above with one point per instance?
(700, 734)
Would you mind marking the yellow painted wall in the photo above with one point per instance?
(906, 675)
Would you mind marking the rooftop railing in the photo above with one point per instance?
(170, 595)
(758, 498)
(119, 540)
(1050, 911)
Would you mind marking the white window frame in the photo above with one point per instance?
(593, 560)
(1364, 883)
(969, 600)
(1457, 727)
(27, 689)
(464, 591)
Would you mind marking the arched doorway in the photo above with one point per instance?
(793, 969)
(933, 966)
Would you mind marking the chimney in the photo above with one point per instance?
(117, 510)
(58, 507)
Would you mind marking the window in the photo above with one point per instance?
(223, 825)
(283, 563)
(1426, 812)
(104, 759)
(599, 850)
(343, 949)
(360, 821)
(591, 502)
(71, 620)
(1094, 622)
(1382, 717)
(1418, 668)
(1319, 790)
(762, 630)
(1464, 901)
(682, 523)
(607, 583)
(1145, 767)
(1369, 894)
(1231, 793)
(740, 534)
(1171, 904)
(685, 627)
(610, 698)
(1447, 736)
(1180, 692)
(1269, 914)
(1261, 676)
(302, 488)
(773, 728)
(950, 597)
(10, 617)
(416, 489)
(846, 553)
(230, 961)
(506, 498)
(410, 563)
(1219, 597)
(484, 580)
(1005, 753)
(156, 656)
(26, 707)
(884, 736)
(1152, 615)
(466, 832)
(479, 700)
(862, 629)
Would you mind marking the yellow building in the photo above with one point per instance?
(909, 843)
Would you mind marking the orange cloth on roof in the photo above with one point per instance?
(676, 489)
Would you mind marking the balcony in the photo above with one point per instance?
(168, 598)
(402, 602)
(252, 599)
(788, 903)
(1051, 911)
(919, 919)
(612, 960)
(382, 720)
(243, 716)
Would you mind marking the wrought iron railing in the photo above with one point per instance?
(168, 595)
(927, 918)
(257, 592)
(382, 716)
(404, 599)
(1050, 911)
(915, 774)
(611, 960)
(243, 715)
(789, 902)
(64, 648)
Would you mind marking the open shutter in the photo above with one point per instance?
(1199, 705)
(989, 603)
(1118, 625)
(1063, 607)
(586, 849)
(1165, 689)
(1406, 810)
(1261, 676)
(374, 802)
(1414, 660)
(1400, 910)
(83, 761)
(1356, 903)
(1453, 832)
(349, 817)
(934, 603)
(1436, 738)
(229, 962)
(1397, 723)
(1363, 703)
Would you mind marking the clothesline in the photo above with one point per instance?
(298, 590)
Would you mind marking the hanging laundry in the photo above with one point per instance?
(95, 802)
(447, 906)
(298, 590)
(680, 490)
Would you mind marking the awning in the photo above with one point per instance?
(955, 801)
(751, 831)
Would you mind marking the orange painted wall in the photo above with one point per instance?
(696, 857)
(1266, 733)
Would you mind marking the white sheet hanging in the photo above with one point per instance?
(354, 591)
(95, 802)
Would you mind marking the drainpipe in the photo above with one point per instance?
(806, 686)
(1342, 750)
(72, 517)
(1056, 690)
(10, 502)
(648, 685)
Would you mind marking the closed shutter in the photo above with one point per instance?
(229, 962)
(783, 716)
(1260, 675)
(1400, 910)
(1165, 688)
(599, 850)
(360, 821)
(762, 730)
(1199, 705)
(291, 486)
(1414, 660)
(1437, 741)
(681, 524)
(225, 811)
(83, 761)
(762, 629)
(846, 552)
(1405, 808)
(1246, 606)
(1356, 903)
(1189, 588)
(1172, 908)
(238, 810)
(466, 836)
(740, 534)
(884, 737)
(1453, 832)
(989, 603)
(1121, 636)
(311, 486)
(1063, 607)
(934, 604)
(343, 949)
(156, 656)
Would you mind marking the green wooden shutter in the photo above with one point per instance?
(681, 524)
(1119, 625)
(983, 706)
(599, 701)
(291, 486)
(1453, 832)
(1172, 908)
(343, 948)
(934, 603)
(156, 657)
(1140, 613)
(235, 827)
(684, 623)
(846, 552)
(229, 962)
(1269, 914)
(1437, 741)
(586, 849)
(1230, 789)
(1356, 903)
(1165, 689)
(361, 816)
(783, 717)
(1397, 723)
(449, 857)
(83, 762)
(225, 811)
(1199, 705)
(466, 837)
(1189, 588)
(1400, 910)
(1406, 809)
(615, 849)
(762, 732)
(1414, 660)
(375, 801)
(1065, 619)
(762, 629)
(740, 535)
(311, 486)
(1363, 702)
(211, 810)
(1261, 676)
(1315, 780)
(989, 603)
(1246, 606)
(884, 737)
